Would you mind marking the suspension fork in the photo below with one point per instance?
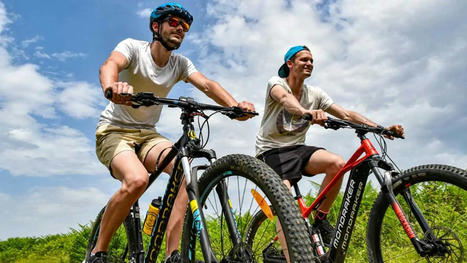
(406, 193)
(385, 180)
(199, 222)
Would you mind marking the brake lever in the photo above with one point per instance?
(239, 112)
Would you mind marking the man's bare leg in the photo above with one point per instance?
(328, 163)
(130, 171)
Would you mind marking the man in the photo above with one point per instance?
(126, 139)
(280, 141)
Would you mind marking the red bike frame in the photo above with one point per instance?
(365, 159)
(365, 148)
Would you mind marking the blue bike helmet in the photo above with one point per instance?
(161, 12)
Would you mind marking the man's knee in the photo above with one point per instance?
(136, 185)
(336, 163)
(339, 162)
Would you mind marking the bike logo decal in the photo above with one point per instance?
(345, 216)
(198, 224)
(403, 220)
(192, 134)
(164, 215)
(193, 205)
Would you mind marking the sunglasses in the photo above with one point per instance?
(174, 22)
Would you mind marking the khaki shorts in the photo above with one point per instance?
(112, 140)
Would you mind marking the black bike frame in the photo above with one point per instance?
(183, 151)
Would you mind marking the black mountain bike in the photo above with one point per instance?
(413, 231)
(221, 202)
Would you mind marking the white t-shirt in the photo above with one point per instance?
(144, 75)
(279, 128)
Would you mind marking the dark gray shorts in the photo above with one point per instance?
(289, 162)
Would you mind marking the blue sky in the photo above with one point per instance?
(395, 62)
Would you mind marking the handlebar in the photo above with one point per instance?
(335, 124)
(185, 103)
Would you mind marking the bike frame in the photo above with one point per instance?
(184, 150)
(366, 159)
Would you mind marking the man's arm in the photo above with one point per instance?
(351, 116)
(216, 92)
(293, 106)
(287, 100)
(108, 76)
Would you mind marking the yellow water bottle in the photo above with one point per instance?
(151, 215)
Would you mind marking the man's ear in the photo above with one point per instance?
(155, 26)
(289, 63)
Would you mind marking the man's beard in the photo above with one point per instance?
(174, 43)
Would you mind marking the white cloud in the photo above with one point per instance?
(394, 62)
(48, 152)
(80, 99)
(41, 54)
(35, 142)
(48, 149)
(26, 43)
(4, 20)
(60, 56)
(63, 56)
(145, 13)
(24, 91)
(48, 210)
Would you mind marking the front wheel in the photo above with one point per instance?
(440, 193)
(249, 183)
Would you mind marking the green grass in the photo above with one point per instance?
(70, 247)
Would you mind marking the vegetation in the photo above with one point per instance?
(70, 247)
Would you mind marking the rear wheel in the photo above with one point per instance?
(440, 193)
(251, 184)
(118, 247)
(261, 238)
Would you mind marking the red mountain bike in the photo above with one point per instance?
(416, 216)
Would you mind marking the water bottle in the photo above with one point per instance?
(151, 215)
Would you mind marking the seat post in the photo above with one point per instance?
(297, 191)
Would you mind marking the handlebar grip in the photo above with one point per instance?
(108, 93)
(307, 117)
(239, 111)
(391, 133)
